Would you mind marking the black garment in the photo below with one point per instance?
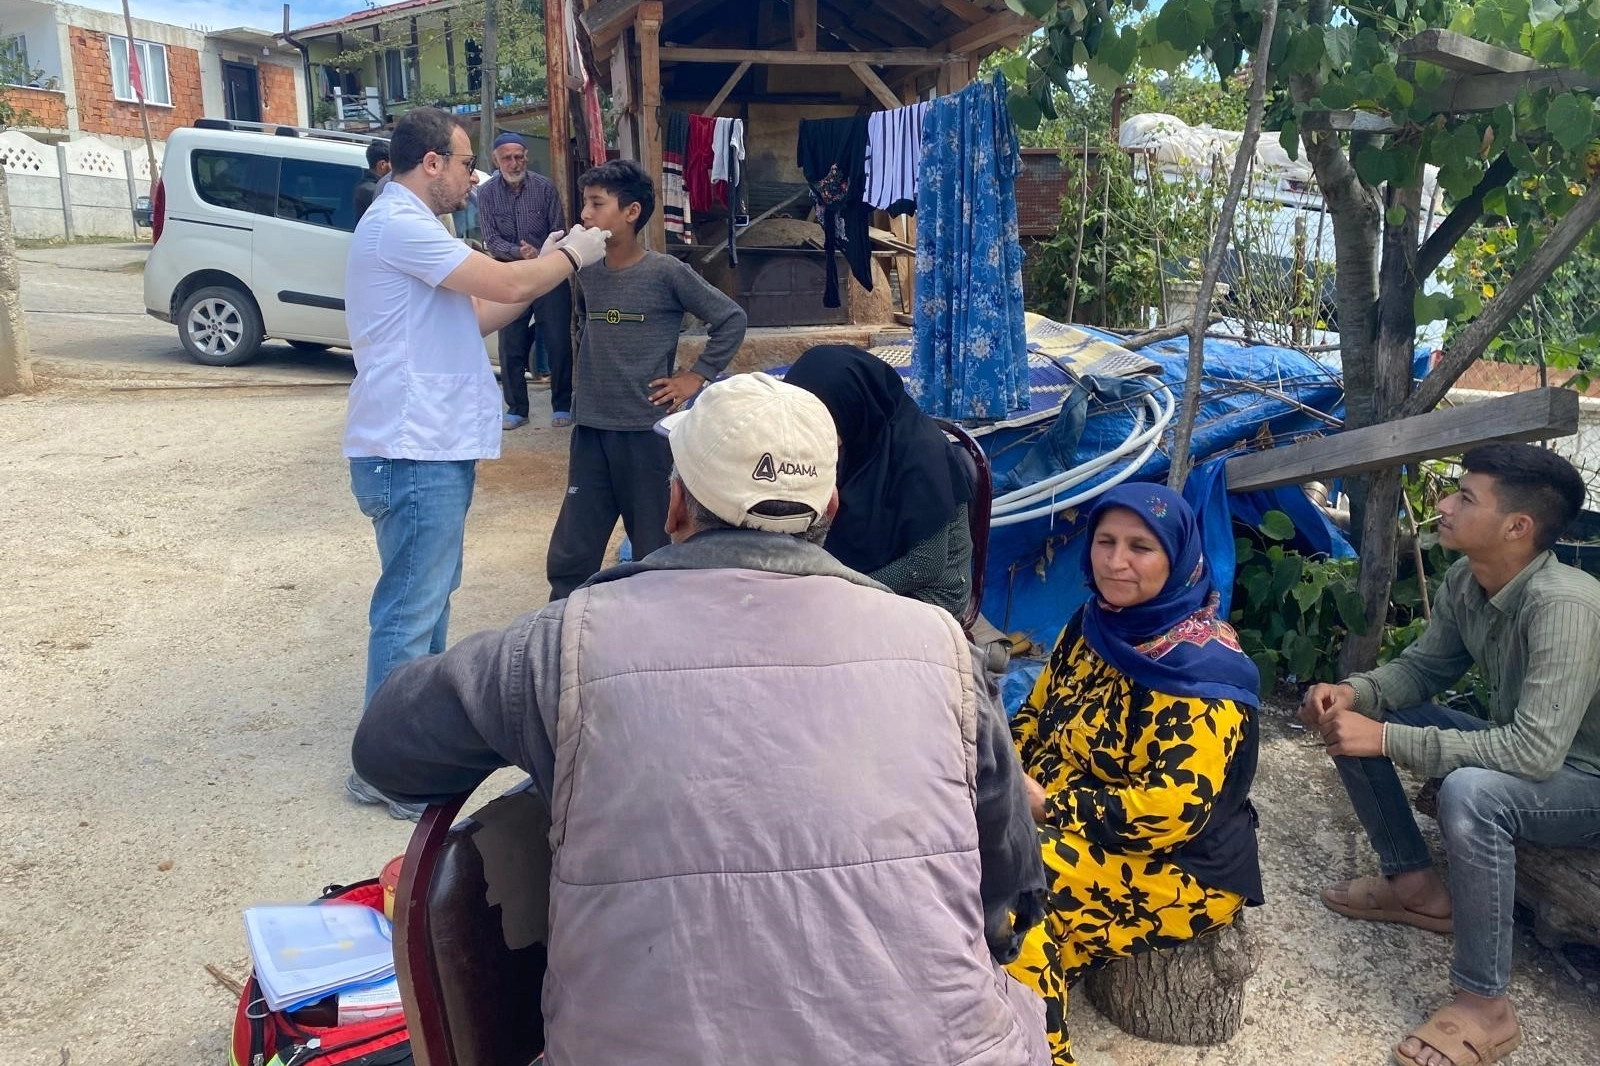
(366, 191)
(552, 317)
(611, 473)
(832, 153)
(900, 481)
(439, 725)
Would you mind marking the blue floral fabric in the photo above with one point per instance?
(969, 356)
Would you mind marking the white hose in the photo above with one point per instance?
(1161, 406)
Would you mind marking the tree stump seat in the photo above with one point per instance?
(1189, 994)
(1560, 886)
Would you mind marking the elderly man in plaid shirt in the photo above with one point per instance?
(517, 210)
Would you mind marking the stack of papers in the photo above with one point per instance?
(303, 953)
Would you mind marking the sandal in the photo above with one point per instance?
(560, 420)
(1373, 899)
(1454, 1033)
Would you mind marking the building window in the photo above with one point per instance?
(14, 69)
(394, 75)
(152, 60)
(474, 67)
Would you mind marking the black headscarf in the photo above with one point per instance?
(899, 482)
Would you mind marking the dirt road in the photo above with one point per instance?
(181, 650)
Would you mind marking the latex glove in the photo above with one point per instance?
(588, 245)
(550, 243)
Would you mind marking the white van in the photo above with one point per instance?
(251, 234)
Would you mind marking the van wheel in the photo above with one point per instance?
(308, 346)
(220, 326)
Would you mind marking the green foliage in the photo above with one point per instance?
(1293, 612)
(1344, 55)
(1127, 219)
(1560, 325)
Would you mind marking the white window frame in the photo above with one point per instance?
(122, 85)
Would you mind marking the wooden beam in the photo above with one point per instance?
(1462, 54)
(777, 57)
(803, 14)
(870, 79)
(1318, 120)
(1003, 27)
(965, 10)
(1485, 92)
(647, 27)
(1534, 415)
(605, 20)
(727, 87)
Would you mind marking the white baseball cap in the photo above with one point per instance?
(750, 439)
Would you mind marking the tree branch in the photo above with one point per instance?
(1474, 340)
(1219, 250)
(1462, 217)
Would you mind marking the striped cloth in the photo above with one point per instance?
(894, 145)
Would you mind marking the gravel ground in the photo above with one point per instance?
(181, 652)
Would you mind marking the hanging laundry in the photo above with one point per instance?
(969, 356)
(675, 212)
(727, 169)
(697, 162)
(832, 153)
(894, 145)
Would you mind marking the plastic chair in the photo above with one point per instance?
(471, 920)
(978, 472)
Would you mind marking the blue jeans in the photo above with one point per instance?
(1482, 815)
(419, 512)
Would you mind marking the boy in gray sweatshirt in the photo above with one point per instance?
(633, 305)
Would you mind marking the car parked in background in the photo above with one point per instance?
(141, 211)
(251, 231)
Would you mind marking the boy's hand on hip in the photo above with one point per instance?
(677, 390)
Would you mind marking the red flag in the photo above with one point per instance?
(134, 80)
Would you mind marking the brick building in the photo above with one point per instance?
(72, 69)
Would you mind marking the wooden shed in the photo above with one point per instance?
(770, 63)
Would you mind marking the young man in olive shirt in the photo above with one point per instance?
(1531, 772)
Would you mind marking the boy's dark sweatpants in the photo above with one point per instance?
(611, 473)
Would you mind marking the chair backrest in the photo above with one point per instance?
(471, 921)
(977, 466)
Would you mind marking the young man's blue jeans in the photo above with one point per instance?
(1482, 815)
(419, 512)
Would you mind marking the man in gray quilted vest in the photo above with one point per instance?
(788, 822)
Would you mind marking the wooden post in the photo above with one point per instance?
(555, 48)
(804, 14)
(490, 71)
(16, 373)
(138, 92)
(647, 25)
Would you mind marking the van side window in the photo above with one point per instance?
(237, 180)
(322, 194)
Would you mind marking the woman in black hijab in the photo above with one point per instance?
(903, 493)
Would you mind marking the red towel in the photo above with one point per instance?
(697, 165)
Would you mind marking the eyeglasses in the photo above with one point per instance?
(471, 160)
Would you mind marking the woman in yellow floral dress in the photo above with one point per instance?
(1139, 741)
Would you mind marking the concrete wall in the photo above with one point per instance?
(82, 188)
